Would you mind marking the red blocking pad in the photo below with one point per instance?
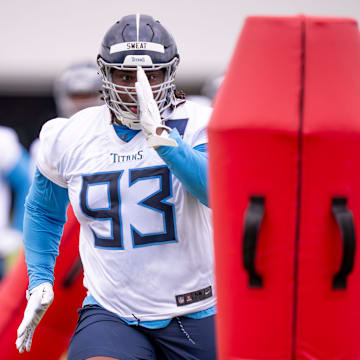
(52, 335)
(283, 173)
(328, 319)
(253, 151)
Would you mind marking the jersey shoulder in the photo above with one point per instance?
(193, 119)
(198, 113)
(64, 133)
(59, 136)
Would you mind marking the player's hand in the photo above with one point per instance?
(39, 299)
(156, 133)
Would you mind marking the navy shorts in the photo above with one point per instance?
(102, 333)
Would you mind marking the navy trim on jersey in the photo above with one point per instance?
(202, 148)
(178, 124)
(19, 180)
(188, 165)
(44, 219)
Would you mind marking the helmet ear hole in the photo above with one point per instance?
(132, 41)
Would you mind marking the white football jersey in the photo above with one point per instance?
(145, 242)
(10, 152)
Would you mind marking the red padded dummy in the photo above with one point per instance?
(52, 335)
(328, 320)
(282, 145)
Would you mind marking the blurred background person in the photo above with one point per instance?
(14, 186)
(211, 87)
(208, 91)
(76, 88)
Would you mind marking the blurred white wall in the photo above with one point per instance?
(39, 38)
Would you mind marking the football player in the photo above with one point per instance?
(14, 177)
(135, 172)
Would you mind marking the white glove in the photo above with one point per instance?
(150, 119)
(39, 299)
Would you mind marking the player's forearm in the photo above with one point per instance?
(44, 219)
(19, 179)
(188, 165)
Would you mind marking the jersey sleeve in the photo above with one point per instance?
(51, 150)
(45, 216)
(10, 150)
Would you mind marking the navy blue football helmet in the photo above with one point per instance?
(132, 41)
